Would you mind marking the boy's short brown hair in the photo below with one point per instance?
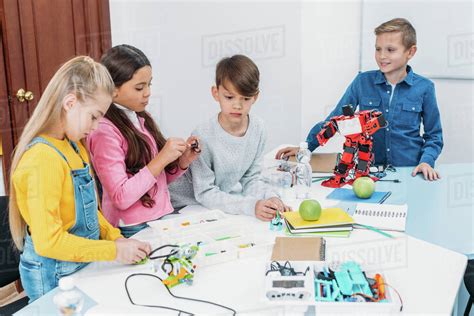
(241, 71)
(399, 25)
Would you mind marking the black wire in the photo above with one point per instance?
(390, 168)
(163, 256)
(147, 305)
(303, 273)
(387, 180)
(275, 266)
(399, 296)
(203, 301)
(175, 296)
(382, 173)
(165, 263)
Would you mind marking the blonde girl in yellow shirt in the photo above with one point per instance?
(54, 216)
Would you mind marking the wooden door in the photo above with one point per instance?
(37, 37)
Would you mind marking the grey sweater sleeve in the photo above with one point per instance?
(252, 182)
(210, 195)
(226, 176)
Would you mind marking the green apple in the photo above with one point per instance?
(363, 187)
(310, 210)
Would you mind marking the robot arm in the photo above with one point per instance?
(328, 131)
(375, 123)
(331, 127)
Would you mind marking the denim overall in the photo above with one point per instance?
(129, 231)
(39, 274)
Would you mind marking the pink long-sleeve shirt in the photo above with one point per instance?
(121, 190)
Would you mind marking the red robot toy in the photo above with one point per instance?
(358, 129)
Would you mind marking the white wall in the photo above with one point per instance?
(307, 52)
(330, 60)
(455, 101)
(184, 41)
(444, 34)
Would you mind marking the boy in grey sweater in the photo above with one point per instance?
(226, 176)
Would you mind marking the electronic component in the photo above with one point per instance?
(177, 264)
(195, 146)
(288, 287)
(380, 285)
(282, 282)
(351, 279)
(276, 223)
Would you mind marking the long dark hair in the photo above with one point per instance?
(123, 61)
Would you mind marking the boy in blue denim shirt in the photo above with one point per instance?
(405, 99)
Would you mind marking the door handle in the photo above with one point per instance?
(23, 95)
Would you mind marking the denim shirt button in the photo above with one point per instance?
(386, 110)
(370, 102)
(388, 91)
(388, 149)
(413, 109)
(388, 129)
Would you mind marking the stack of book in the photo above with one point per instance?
(334, 222)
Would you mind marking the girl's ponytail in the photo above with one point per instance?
(81, 76)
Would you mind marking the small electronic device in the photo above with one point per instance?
(195, 146)
(332, 287)
(289, 288)
(295, 286)
(276, 223)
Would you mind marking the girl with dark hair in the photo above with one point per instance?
(132, 159)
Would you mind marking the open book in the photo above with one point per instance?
(381, 216)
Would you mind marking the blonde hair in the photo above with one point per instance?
(399, 25)
(81, 76)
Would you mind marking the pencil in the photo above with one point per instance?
(226, 237)
(385, 197)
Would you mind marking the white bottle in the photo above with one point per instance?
(69, 300)
(283, 182)
(303, 172)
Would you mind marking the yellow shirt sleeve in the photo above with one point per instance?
(45, 198)
(107, 231)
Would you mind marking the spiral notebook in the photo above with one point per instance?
(381, 216)
(299, 249)
(347, 195)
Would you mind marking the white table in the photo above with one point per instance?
(440, 212)
(426, 275)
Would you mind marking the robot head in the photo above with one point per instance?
(348, 110)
